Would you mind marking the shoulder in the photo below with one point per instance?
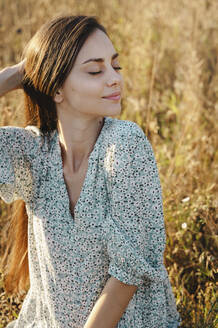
(128, 131)
(20, 132)
(128, 150)
(129, 140)
(27, 140)
(126, 135)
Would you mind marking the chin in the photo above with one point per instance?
(113, 111)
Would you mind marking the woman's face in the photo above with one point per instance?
(94, 76)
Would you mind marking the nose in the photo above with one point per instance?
(114, 78)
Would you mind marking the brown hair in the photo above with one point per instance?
(50, 56)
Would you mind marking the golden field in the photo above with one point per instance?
(169, 55)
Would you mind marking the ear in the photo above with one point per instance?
(58, 97)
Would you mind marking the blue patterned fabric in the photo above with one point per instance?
(117, 229)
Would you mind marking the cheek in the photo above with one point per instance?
(86, 94)
(85, 85)
(91, 87)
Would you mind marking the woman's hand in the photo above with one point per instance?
(11, 77)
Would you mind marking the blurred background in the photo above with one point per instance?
(169, 55)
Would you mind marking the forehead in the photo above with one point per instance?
(97, 45)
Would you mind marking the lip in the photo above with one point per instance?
(113, 96)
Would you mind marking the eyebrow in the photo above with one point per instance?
(100, 60)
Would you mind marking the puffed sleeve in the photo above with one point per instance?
(7, 176)
(16, 179)
(135, 231)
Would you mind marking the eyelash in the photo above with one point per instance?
(95, 73)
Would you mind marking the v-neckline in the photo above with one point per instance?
(61, 171)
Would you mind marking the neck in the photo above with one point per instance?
(77, 139)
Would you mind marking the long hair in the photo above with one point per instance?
(50, 56)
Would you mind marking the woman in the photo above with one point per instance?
(91, 189)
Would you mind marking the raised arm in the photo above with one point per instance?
(10, 78)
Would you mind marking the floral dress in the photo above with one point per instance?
(117, 229)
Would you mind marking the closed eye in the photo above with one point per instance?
(94, 73)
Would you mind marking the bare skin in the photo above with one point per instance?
(110, 305)
(10, 78)
(74, 181)
(81, 108)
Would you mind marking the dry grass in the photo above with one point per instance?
(169, 55)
